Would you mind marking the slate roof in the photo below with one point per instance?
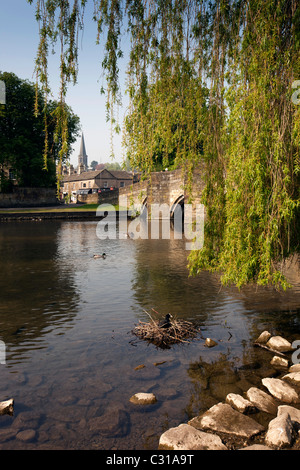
(89, 175)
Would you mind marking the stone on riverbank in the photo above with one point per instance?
(295, 368)
(223, 418)
(228, 421)
(263, 337)
(280, 432)
(279, 344)
(240, 404)
(293, 412)
(281, 390)
(279, 362)
(292, 377)
(143, 399)
(186, 437)
(262, 400)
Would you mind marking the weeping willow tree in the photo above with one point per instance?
(210, 85)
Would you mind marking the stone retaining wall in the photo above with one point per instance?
(28, 197)
(106, 197)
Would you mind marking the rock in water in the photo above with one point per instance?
(263, 337)
(186, 437)
(279, 344)
(143, 399)
(210, 343)
(223, 418)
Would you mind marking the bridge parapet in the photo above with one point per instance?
(165, 187)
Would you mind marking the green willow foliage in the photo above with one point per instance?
(210, 85)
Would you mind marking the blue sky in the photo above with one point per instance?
(18, 46)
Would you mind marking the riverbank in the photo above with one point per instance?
(275, 411)
(64, 212)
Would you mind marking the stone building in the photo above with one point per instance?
(94, 182)
(80, 181)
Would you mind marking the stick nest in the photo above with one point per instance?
(180, 331)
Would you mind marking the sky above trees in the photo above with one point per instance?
(19, 40)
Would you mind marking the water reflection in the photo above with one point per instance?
(37, 291)
(161, 280)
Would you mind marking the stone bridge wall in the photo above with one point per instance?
(165, 187)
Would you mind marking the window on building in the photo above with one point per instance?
(73, 185)
(122, 184)
(12, 174)
(83, 185)
(105, 185)
(90, 184)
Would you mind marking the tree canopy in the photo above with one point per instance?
(210, 83)
(22, 135)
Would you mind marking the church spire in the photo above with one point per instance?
(82, 157)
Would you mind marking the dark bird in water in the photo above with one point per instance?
(165, 323)
(100, 256)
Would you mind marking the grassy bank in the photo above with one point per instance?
(62, 208)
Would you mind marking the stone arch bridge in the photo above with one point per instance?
(165, 188)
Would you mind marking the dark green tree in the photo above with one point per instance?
(93, 164)
(22, 135)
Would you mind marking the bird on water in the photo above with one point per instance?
(165, 323)
(100, 256)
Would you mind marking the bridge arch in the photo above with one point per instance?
(177, 204)
(144, 205)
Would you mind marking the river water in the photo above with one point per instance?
(71, 360)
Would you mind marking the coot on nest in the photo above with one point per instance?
(165, 323)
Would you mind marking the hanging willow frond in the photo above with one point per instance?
(209, 83)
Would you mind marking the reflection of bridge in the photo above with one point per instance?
(166, 188)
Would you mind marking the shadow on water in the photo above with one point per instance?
(66, 320)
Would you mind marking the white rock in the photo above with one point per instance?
(279, 344)
(239, 403)
(210, 343)
(263, 337)
(281, 390)
(186, 437)
(279, 362)
(7, 407)
(223, 418)
(293, 412)
(262, 400)
(143, 398)
(280, 432)
(295, 368)
(293, 377)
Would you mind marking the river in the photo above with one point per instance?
(71, 360)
